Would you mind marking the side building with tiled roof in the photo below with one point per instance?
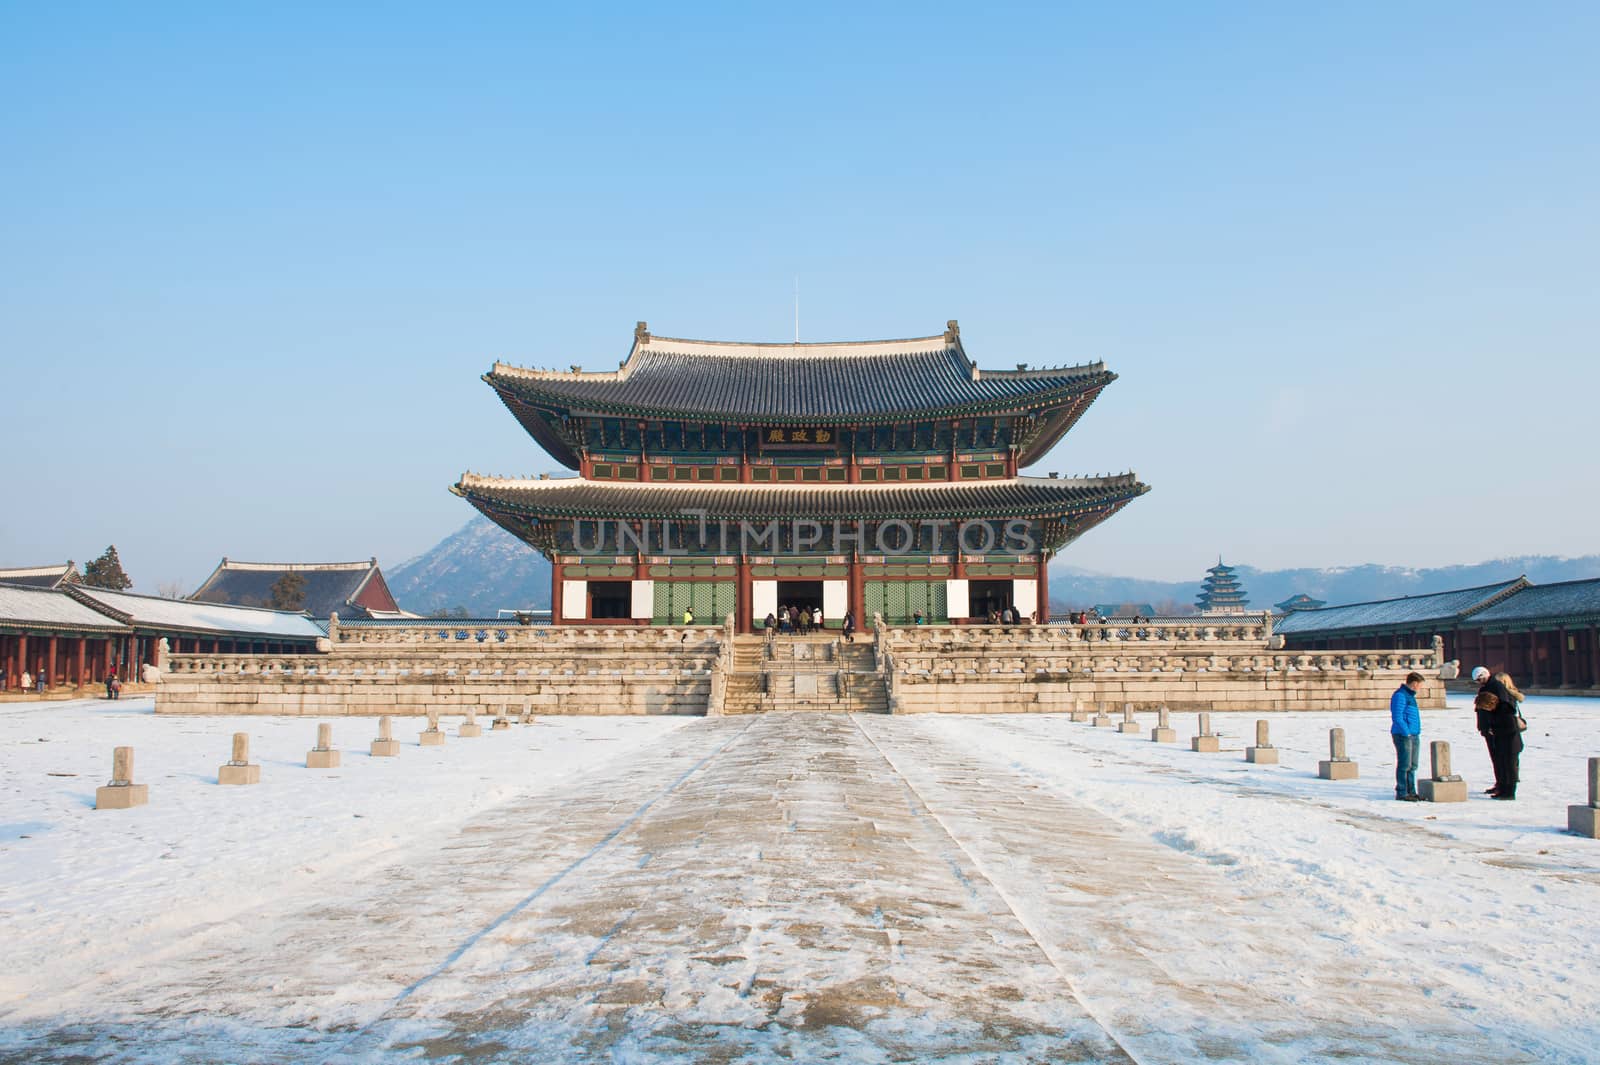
(75, 635)
(40, 576)
(349, 589)
(1407, 622)
(1547, 636)
(719, 478)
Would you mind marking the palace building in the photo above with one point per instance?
(735, 478)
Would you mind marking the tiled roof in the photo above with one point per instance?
(1568, 600)
(786, 383)
(329, 586)
(573, 497)
(1387, 613)
(151, 612)
(23, 607)
(39, 576)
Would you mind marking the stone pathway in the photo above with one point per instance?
(780, 887)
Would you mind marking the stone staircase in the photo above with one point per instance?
(803, 673)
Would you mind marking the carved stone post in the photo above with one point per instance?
(324, 755)
(1205, 741)
(1102, 719)
(1338, 766)
(122, 793)
(1585, 820)
(1263, 753)
(385, 746)
(470, 728)
(1444, 785)
(431, 736)
(1129, 726)
(1163, 732)
(238, 769)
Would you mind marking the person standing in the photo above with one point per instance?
(1497, 714)
(27, 680)
(111, 676)
(849, 626)
(1405, 728)
(1508, 726)
(688, 616)
(816, 618)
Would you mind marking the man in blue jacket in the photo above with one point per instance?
(1405, 729)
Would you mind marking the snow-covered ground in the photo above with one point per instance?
(794, 887)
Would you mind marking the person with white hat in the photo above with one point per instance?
(1496, 708)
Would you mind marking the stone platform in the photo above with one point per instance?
(1183, 665)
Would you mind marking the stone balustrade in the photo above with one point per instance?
(1185, 665)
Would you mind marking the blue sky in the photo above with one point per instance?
(1344, 258)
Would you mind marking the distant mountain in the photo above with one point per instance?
(483, 568)
(1072, 589)
(479, 567)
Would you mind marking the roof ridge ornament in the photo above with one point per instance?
(641, 333)
(952, 332)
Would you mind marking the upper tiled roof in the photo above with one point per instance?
(40, 576)
(1386, 613)
(329, 587)
(788, 383)
(1568, 600)
(151, 612)
(573, 497)
(28, 608)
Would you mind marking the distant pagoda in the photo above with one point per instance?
(718, 478)
(1221, 593)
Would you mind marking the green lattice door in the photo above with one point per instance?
(711, 601)
(898, 601)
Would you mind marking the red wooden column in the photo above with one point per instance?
(1044, 586)
(1561, 645)
(858, 594)
(744, 609)
(555, 592)
(108, 655)
(77, 678)
(52, 671)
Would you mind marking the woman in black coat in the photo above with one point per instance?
(1497, 721)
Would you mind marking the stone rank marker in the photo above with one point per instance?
(1078, 711)
(1585, 820)
(239, 770)
(1101, 718)
(323, 755)
(1338, 766)
(1163, 732)
(1129, 726)
(527, 713)
(1263, 753)
(1444, 785)
(431, 736)
(122, 793)
(385, 746)
(470, 728)
(501, 721)
(1206, 741)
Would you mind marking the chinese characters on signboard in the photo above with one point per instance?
(803, 435)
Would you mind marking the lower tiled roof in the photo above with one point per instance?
(153, 612)
(1388, 613)
(1020, 497)
(1568, 600)
(28, 608)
